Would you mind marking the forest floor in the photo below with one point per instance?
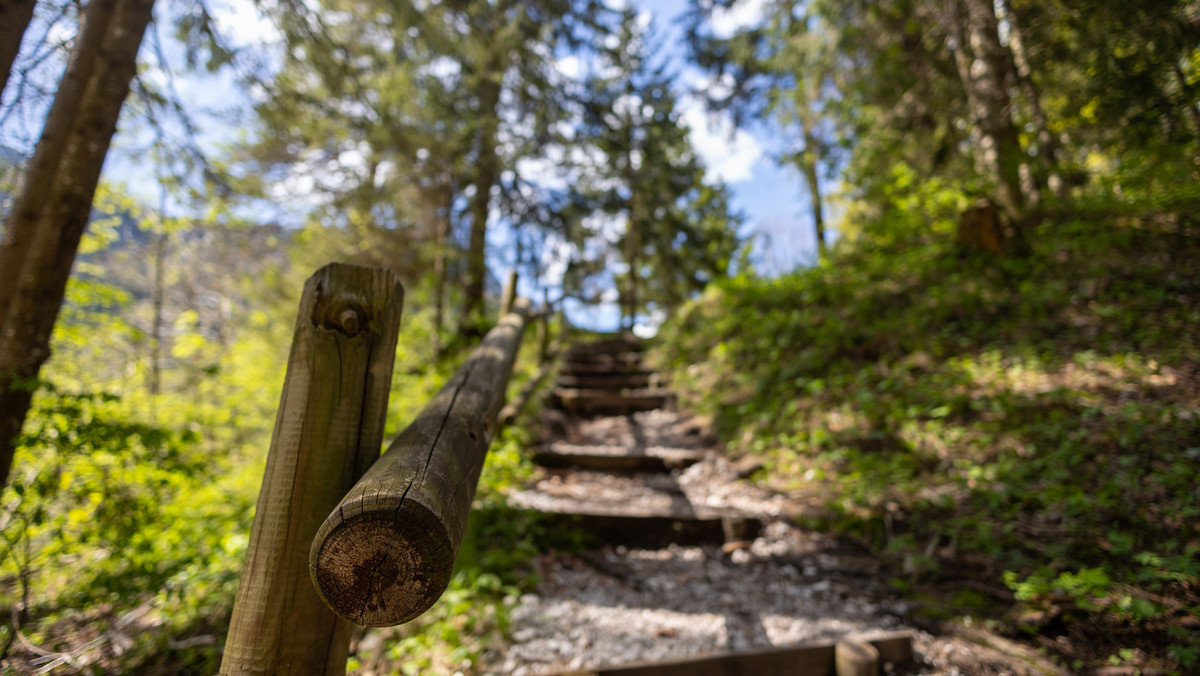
(1015, 437)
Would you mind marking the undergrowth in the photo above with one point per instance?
(126, 522)
(1028, 426)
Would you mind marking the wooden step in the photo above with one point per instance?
(615, 458)
(616, 360)
(613, 381)
(580, 368)
(818, 659)
(640, 510)
(604, 401)
(607, 347)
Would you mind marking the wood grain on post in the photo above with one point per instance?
(328, 431)
(385, 554)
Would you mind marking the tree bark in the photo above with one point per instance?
(15, 16)
(48, 155)
(985, 81)
(52, 208)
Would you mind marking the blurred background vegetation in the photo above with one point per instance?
(987, 370)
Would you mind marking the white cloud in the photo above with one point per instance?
(243, 23)
(729, 155)
(743, 14)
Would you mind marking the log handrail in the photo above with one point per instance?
(386, 553)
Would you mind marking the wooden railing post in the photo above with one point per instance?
(509, 294)
(328, 431)
(386, 552)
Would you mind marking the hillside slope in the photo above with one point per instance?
(1019, 436)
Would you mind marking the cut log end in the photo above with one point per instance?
(384, 566)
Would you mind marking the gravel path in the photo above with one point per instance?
(616, 606)
(619, 604)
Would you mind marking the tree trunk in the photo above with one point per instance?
(439, 273)
(814, 187)
(1193, 111)
(52, 208)
(1047, 143)
(159, 291)
(631, 227)
(14, 19)
(985, 81)
(47, 157)
(486, 174)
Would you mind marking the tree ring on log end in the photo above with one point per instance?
(383, 567)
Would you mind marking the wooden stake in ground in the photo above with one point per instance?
(509, 294)
(386, 553)
(328, 431)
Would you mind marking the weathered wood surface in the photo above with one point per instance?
(546, 365)
(582, 368)
(619, 381)
(328, 431)
(813, 659)
(386, 552)
(615, 458)
(513, 409)
(604, 401)
(856, 658)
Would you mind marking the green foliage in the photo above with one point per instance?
(129, 510)
(1032, 415)
(678, 231)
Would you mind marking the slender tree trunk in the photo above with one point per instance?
(985, 83)
(814, 186)
(48, 156)
(439, 273)
(1193, 111)
(160, 256)
(51, 211)
(487, 172)
(631, 257)
(15, 16)
(631, 228)
(1048, 148)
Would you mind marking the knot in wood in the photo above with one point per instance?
(342, 313)
(350, 322)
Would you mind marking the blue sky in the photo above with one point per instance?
(771, 197)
